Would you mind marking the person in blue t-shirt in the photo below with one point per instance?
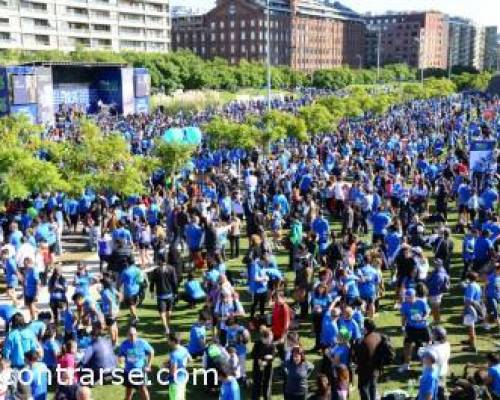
(380, 221)
(83, 280)
(429, 380)
(493, 379)
(230, 389)
(414, 314)
(51, 348)
(340, 353)
(492, 294)
(321, 227)
(482, 250)
(138, 356)
(18, 342)
(31, 286)
(7, 311)
(9, 265)
(194, 235)
(35, 376)
(16, 236)
(320, 304)
(438, 282)
(329, 328)
(258, 280)
(110, 307)
(193, 291)
(368, 283)
(198, 336)
(178, 360)
(131, 279)
(468, 244)
(488, 199)
(346, 321)
(472, 302)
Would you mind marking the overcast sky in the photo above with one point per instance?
(485, 12)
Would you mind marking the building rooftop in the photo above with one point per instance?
(73, 64)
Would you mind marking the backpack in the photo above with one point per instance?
(385, 352)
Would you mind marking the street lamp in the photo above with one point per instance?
(268, 11)
(421, 42)
(379, 39)
(450, 59)
(358, 56)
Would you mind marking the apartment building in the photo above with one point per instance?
(491, 47)
(419, 39)
(303, 34)
(96, 24)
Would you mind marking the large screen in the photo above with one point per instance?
(142, 85)
(23, 89)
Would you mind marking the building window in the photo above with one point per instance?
(242, 23)
(232, 35)
(243, 35)
(212, 37)
(252, 35)
(231, 23)
(221, 24)
(212, 25)
(252, 23)
(43, 40)
(243, 49)
(222, 36)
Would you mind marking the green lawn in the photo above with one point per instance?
(388, 320)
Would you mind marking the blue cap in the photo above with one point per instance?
(410, 292)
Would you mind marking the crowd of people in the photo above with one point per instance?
(358, 211)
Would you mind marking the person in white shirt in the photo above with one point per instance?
(441, 349)
(26, 250)
(251, 182)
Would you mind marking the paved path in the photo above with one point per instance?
(75, 249)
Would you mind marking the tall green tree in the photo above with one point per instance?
(317, 119)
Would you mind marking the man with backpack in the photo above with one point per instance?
(371, 355)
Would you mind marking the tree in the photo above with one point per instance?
(99, 162)
(317, 119)
(22, 170)
(172, 157)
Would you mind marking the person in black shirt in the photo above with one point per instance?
(164, 279)
(263, 354)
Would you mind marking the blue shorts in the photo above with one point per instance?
(368, 299)
(492, 306)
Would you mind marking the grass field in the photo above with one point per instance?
(388, 320)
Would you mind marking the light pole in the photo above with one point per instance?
(420, 41)
(268, 40)
(358, 56)
(450, 59)
(379, 39)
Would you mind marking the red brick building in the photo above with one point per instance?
(419, 39)
(304, 34)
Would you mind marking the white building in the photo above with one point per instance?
(96, 24)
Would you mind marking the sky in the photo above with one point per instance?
(484, 12)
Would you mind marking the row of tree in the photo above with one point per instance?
(185, 70)
(29, 164)
(321, 117)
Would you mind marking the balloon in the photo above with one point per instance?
(173, 135)
(192, 135)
